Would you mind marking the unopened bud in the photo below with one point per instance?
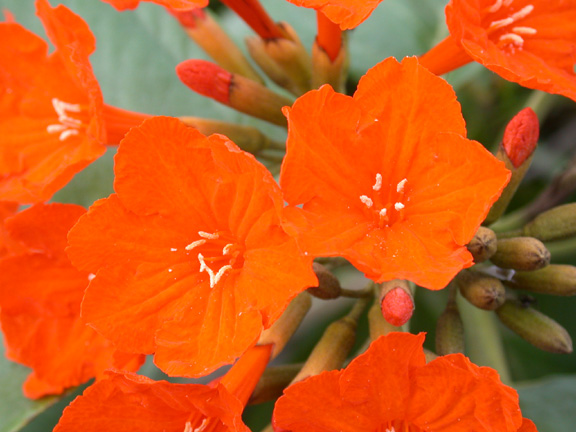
(282, 330)
(328, 285)
(484, 292)
(284, 60)
(554, 224)
(555, 279)
(253, 14)
(483, 245)
(396, 302)
(535, 327)
(335, 344)
(521, 253)
(449, 331)
(516, 151)
(207, 33)
(233, 90)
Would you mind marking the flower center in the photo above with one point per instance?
(218, 254)
(67, 125)
(505, 30)
(386, 209)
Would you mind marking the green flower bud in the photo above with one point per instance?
(521, 253)
(535, 327)
(483, 245)
(449, 331)
(555, 279)
(484, 292)
(554, 224)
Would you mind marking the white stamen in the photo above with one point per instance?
(173, 249)
(398, 206)
(67, 133)
(400, 185)
(195, 244)
(204, 267)
(391, 429)
(512, 38)
(522, 13)
(500, 23)
(220, 273)
(366, 201)
(91, 276)
(209, 236)
(227, 248)
(54, 128)
(524, 30)
(382, 213)
(378, 183)
(169, 270)
(61, 107)
(495, 7)
(188, 427)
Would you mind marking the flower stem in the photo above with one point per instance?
(483, 341)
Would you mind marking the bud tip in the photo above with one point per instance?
(397, 307)
(521, 136)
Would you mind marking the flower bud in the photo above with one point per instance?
(484, 292)
(535, 327)
(483, 245)
(521, 253)
(449, 331)
(516, 150)
(207, 33)
(284, 60)
(233, 90)
(554, 224)
(328, 284)
(555, 279)
(282, 330)
(396, 302)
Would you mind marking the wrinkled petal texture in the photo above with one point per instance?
(176, 188)
(391, 386)
(172, 4)
(396, 147)
(536, 50)
(346, 13)
(50, 106)
(40, 295)
(132, 403)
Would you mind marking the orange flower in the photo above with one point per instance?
(190, 257)
(172, 4)
(131, 403)
(386, 178)
(532, 43)
(347, 13)
(52, 118)
(391, 388)
(40, 295)
(7, 244)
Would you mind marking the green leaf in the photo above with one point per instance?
(15, 409)
(550, 403)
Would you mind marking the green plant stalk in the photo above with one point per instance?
(483, 341)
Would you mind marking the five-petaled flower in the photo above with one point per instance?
(391, 388)
(132, 403)
(53, 121)
(40, 295)
(190, 258)
(530, 42)
(386, 178)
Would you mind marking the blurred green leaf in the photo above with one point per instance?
(550, 403)
(15, 409)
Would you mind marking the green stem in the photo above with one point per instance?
(483, 341)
